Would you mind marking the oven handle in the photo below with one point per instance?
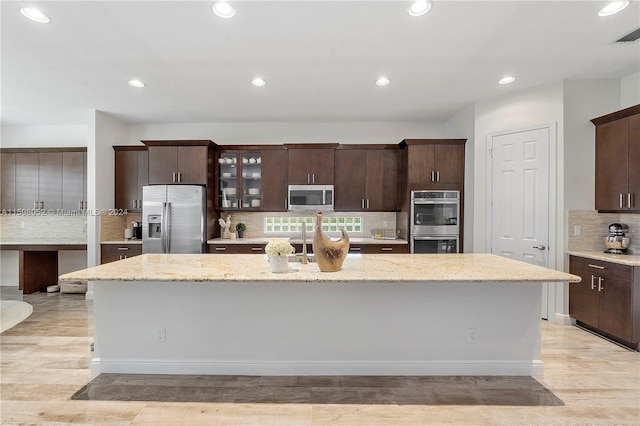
(436, 202)
(435, 237)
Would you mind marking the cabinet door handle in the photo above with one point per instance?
(179, 176)
(596, 266)
(286, 205)
(438, 176)
(621, 200)
(600, 286)
(308, 178)
(629, 200)
(433, 176)
(313, 178)
(42, 204)
(367, 203)
(387, 248)
(221, 249)
(593, 282)
(362, 203)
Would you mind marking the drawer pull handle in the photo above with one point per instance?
(123, 248)
(256, 248)
(596, 266)
(387, 248)
(355, 249)
(221, 249)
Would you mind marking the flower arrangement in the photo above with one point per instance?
(278, 247)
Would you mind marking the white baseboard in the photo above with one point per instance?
(432, 368)
(563, 319)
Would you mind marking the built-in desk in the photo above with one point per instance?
(38, 264)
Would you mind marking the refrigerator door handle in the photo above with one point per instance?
(163, 227)
(168, 227)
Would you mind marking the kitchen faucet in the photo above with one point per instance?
(304, 243)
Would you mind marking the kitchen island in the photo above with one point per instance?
(457, 314)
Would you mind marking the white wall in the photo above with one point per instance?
(104, 132)
(44, 136)
(584, 100)
(462, 126)
(630, 90)
(277, 133)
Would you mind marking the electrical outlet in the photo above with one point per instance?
(472, 335)
(161, 334)
(577, 230)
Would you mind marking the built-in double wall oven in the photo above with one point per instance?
(434, 221)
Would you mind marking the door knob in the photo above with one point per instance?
(540, 247)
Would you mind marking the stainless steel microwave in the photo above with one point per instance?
(311, 197)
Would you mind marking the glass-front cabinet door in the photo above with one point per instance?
(240, 180)
(251, 180)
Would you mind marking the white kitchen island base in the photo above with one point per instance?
(317, 328)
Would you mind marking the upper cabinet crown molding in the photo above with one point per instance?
(617, 115)
(181, 142)
(311, 145)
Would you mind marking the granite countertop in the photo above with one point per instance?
(385, 268)
(623, 259)
(294, 240)
(122, 242)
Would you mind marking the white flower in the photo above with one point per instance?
(278, 247)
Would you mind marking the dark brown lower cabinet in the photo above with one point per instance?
(113, 252)
(607, 300)
(236, 248)
(365, 248)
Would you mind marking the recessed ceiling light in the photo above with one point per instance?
(258, 82)
(507, 79)
(613, 7)
(223, 9)
(382, 81)
(35, 15)
(419, 8)
(136, 83)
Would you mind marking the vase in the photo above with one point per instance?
(278, 264)
(240, 234)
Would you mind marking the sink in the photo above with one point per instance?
(298, 258)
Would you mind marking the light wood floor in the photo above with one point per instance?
(44, 363)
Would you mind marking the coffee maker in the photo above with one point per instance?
(617, 242)
(137, 230)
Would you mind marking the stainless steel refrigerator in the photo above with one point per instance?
(174, 219)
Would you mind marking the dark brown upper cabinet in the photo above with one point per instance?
(311, 164)
(180, 161)
(435, 162)
(617, 161)
(366, 178)
(131, 174)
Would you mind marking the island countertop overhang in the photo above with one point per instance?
(378, 268)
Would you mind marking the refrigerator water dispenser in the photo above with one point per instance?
(155, 226)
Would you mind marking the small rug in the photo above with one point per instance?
(12, 313)
(396, 390)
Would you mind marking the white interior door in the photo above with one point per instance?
(520, 198)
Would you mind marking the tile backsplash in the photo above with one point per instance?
(595, 225)
(43, 229)
(269, 223)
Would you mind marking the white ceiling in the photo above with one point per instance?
(320, 58)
